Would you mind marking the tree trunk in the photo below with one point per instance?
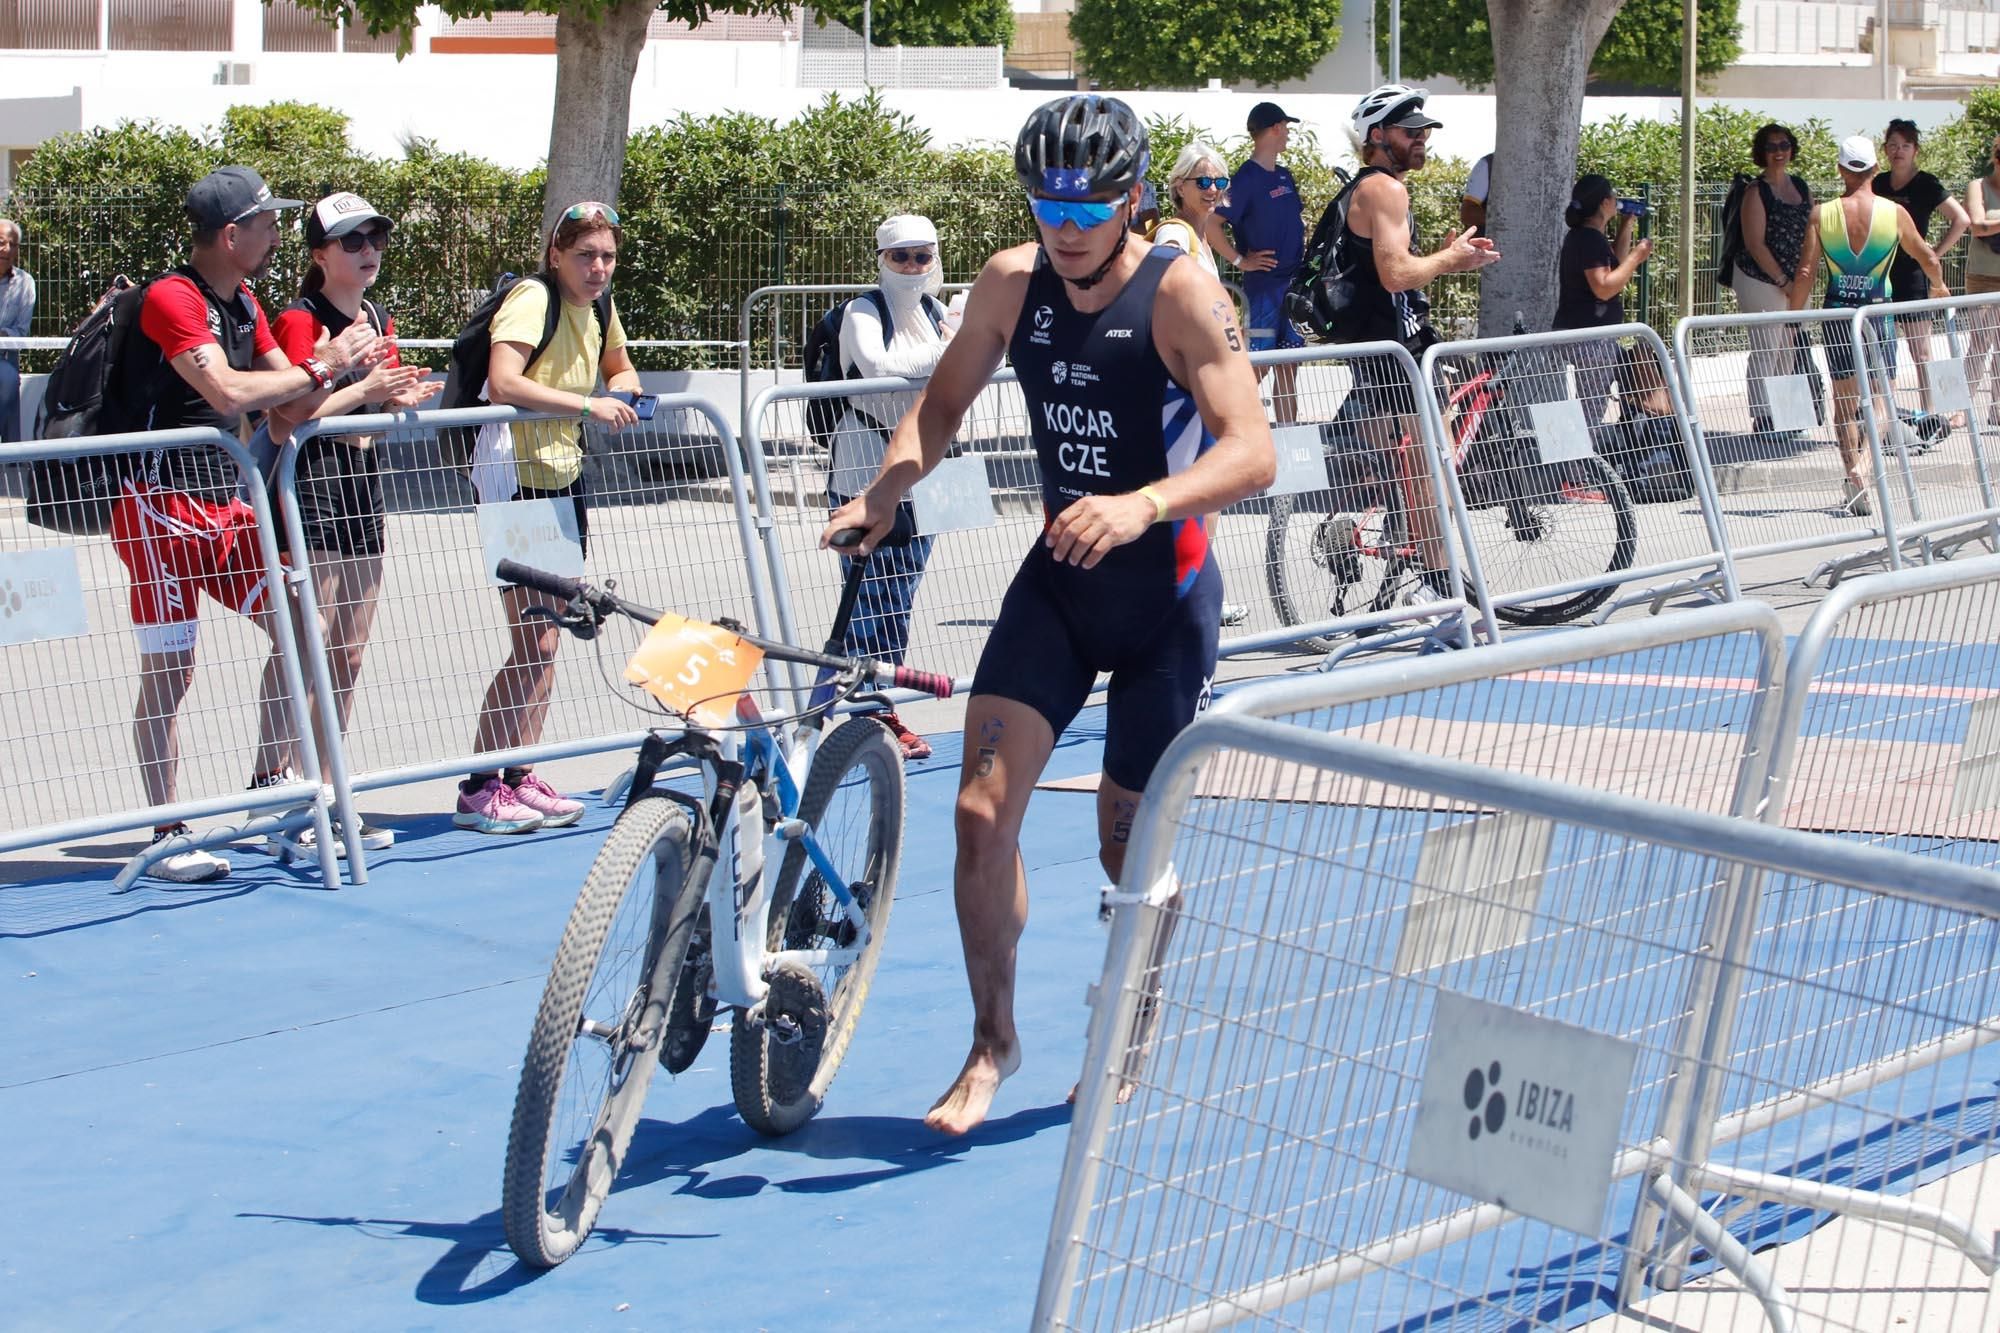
(1542, 51)
(595, 61)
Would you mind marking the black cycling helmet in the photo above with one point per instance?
(1079, 146)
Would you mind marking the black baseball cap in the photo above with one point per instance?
(337, 214)
(1266, 114)
(231, 194)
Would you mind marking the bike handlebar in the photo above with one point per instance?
(601, 602)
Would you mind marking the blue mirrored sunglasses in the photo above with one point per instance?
(591, 208)
(1085, 213)
(1210, 182)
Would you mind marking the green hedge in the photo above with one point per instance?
(717, 206)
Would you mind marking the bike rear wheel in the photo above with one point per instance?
(781, 1064)
(596, 1040)
(1320, 564)
(1554, 523)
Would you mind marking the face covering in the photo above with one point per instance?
(906, 288)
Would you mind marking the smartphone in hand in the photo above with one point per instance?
(642, 403)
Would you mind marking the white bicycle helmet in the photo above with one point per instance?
(1385, 106)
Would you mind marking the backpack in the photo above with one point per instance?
(101, 385)
(1729, 241)
(822, 361)
(472, 353)
(1318, 293)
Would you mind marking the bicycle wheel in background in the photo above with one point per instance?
(596, 1039)
(1554, 523)
(781, 1064)
(1321, 564)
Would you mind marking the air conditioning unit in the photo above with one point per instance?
(233, 72)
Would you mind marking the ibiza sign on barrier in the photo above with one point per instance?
(538, 533)
(955, 497)
(1301, 460)
(41, 596)
(1521, 1111)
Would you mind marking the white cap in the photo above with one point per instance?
(1857, 153)
(905, 229)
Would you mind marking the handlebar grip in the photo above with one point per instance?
(846, 538)
(539, 580)
(928, 682)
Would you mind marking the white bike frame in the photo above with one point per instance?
(735, 893)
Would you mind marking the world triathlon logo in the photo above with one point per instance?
(1485, 1100)
(1045, 318)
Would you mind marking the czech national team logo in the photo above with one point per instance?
(1059, 372)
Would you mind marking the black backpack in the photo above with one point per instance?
(822, 361)
(1729, 242)
(1317, 293)
(472, 354)
(102, 384)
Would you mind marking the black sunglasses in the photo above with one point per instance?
(355, 240)
(1781, 146)
(910, 256)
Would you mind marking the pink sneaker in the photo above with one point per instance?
(493, 809)
(556, 809)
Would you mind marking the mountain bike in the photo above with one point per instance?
(674, 922)
(1349, 550)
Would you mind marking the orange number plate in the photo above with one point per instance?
(694, 668)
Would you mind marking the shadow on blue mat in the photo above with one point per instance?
(477, 1266)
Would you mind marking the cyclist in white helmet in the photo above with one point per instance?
(1377, 247)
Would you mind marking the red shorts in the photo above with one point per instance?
(175, 546)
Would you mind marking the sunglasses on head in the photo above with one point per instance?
(592, 209)
(1210, 182)
(355, 240)
(909, 256)
(1085, 213)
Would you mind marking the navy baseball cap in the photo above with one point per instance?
(231, 194)
(1266, 114)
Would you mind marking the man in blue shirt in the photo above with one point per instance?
(1267, 217)
(17, 308)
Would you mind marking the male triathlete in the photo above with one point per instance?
(1376, 249)
(1857, 235)
(1145, 417)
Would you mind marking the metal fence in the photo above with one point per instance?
(449, 687)
(1888, 736)
(1564, 512)
(1439, 1057)
(79, 698)
(1784, 447)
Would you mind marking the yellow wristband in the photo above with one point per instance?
(1159, 503)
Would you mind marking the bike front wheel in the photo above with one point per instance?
(1554, 523)
(596, 1040)
(782, 1061)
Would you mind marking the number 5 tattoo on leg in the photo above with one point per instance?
(990, 732)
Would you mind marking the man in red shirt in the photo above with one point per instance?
(180, 527)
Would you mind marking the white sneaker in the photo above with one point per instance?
(304, 842)
(1234, 613)
(196, 865)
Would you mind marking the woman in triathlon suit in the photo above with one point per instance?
(339, 476)
(1857, 235)
(1921, 196)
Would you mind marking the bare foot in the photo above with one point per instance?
(966, 1101)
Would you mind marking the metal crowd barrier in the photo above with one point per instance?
(1562, 514)
(1328, 551)
(1447, 1057)
(668, 520)
(1947, 480)
(1680, 709)
(67, 708)
(786, 312)
(1891, 729)
(1766, 417)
